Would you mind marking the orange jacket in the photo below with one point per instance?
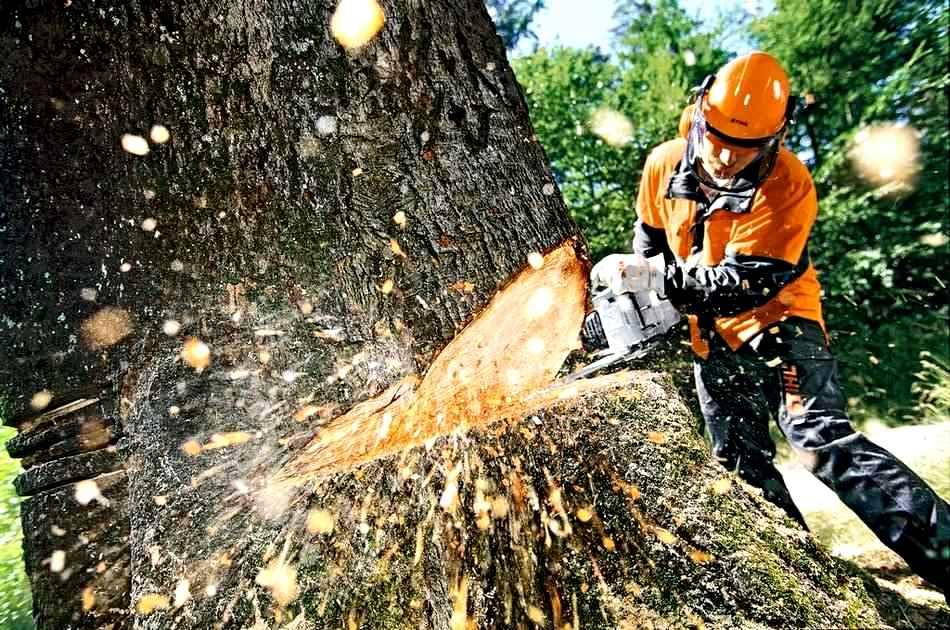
(776, 226)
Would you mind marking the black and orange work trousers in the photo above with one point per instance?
(788, 372)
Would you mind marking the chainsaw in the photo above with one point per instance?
(629, 324)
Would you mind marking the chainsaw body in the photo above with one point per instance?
(629, 324)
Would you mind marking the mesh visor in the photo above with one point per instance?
(748, 178)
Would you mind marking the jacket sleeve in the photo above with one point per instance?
(649, 235)
(766, 251)
(650, 241)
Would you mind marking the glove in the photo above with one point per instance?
(625, 273)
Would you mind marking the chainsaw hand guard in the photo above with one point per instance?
(593, 336)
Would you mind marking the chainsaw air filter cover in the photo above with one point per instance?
(630, 320)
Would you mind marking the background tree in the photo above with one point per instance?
(658, 55)
(513, 19)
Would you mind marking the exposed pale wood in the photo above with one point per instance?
(491, 370)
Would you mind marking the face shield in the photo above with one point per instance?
(711, 154)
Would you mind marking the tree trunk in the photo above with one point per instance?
(264, 369)
(346, 211)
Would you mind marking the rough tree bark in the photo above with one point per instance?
(373, 443)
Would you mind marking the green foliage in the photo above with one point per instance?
(932, 389)
(513, 19)
(880, 252)
(564, 87)
(15, 603)
(647, 81)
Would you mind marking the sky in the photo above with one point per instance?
(580, 23)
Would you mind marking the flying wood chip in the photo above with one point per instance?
(305, 412)
(223, 440)
(396, 249)
(136, 145)
(88, 599)
(320, 522)
(664, 536)
(151, 602)
(41, 400)
(463, 286)
(281, 579)
(700, 557)
(356, 22)
(105, 328)
(536, 615)
(86, 491)
(182, 592)
(196, 354)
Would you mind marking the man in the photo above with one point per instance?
(729, 210)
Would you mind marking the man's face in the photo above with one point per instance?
(722, 160)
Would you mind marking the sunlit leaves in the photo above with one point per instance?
(582, 104)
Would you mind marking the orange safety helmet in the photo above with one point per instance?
(748, 101)
(746, 104)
